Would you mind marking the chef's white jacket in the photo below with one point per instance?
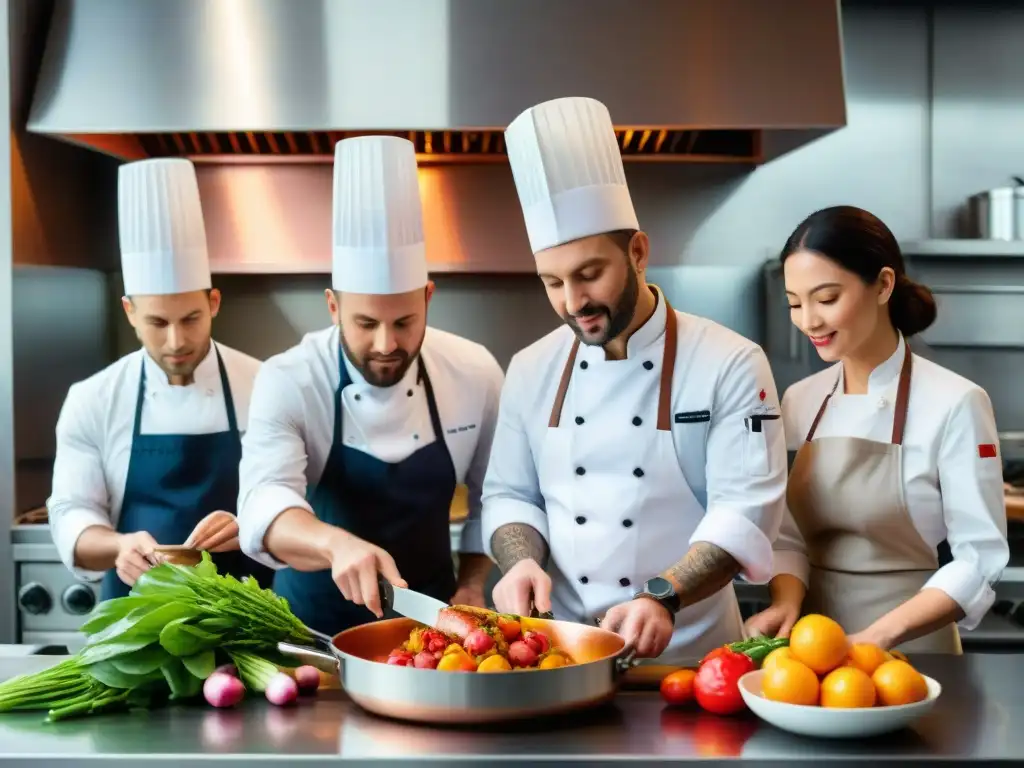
(952, 490)
(291, 425)
(737, 475)
(94, 434)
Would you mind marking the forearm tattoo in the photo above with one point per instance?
(703, 571)
(514, 542)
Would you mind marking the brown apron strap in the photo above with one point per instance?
(668, 362)
(899, 421)
(668, 365)
(563, 385)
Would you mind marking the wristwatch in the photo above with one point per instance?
(661, 590)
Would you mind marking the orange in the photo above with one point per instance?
(456, 662)
(552, 661)
(790, 682)
(867, 657)
(899, 683)
(848, 688)
(495, 663)
(819, 642)
(776, 656)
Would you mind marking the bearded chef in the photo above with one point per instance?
(148, 448)
(360, 434)
(638, 454)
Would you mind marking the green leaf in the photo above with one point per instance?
(110, 611)
(136, 630)
(254, 671)
(165, 580)
(183, 684)
(181, 639)
(206, 569)
(143, 661)
(201, 665)
(112, 677)
(216, 624)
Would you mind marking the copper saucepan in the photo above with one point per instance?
(357, 656)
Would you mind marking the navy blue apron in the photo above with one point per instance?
(174, 481)
(403, 508)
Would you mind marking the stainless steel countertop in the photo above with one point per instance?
(977, 718)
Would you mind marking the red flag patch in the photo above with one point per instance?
(987, 451)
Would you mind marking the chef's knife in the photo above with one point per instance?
(412, 605)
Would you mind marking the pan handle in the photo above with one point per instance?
(325, 662)
(626, 660)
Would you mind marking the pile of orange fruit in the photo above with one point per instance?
(820, 667)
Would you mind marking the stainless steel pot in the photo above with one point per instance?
(998, 214)
(358, 657)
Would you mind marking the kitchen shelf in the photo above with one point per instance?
(964, 249)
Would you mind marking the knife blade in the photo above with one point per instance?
(406, 602)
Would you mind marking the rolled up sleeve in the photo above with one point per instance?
(973, 508)
(789, 551)
(272, 473)
(79, 497)
(511, 489)
(472, 539)
(746, 467)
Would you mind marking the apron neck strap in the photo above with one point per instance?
(668, 362)
(899, 420)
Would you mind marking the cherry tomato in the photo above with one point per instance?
(716, 686)
(677, 687)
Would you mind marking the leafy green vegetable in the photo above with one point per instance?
(161, 642)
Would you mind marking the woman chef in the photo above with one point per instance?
(895, 454)
(359, 434)
(638, 446)
(148, 448)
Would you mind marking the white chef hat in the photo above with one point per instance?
(568, 172)
(163, 236)
(378, 218)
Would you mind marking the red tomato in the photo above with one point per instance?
(677, 687)
(714, 654)
(716, 686)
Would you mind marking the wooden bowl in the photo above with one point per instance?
(180, 555)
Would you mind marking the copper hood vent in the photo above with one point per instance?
(283, 80)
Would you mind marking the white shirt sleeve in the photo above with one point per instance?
(79, 498)
(272, 474)
(511, 489)
(974, 508)
(789, 548)
(746, 469)
(472, 541)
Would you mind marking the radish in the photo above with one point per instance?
(307, 678)
(478, 642)
(521, 654)
(282, 690)
(425, 660)
(222, 690)
(226, 669)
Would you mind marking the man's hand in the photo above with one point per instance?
(524, 583)
(217, 532)
(355, 564)
(776, 620)
(645, 624)
(469, 594)
(135, 555)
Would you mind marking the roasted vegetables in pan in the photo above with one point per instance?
(468, 639)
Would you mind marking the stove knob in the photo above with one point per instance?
(34, 598)
(78, 599)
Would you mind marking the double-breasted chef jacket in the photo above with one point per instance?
(95, 435)
(951, 484)
(620, 501)
(291, 425)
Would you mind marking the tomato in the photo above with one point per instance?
(509, 628)
(716, 686)
(715, 654)
(677, 687)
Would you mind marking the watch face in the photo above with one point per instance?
(660, 587)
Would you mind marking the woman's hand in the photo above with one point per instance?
(778, 619)
(217, 532)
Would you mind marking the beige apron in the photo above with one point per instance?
(866, 556)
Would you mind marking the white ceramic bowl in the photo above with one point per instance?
(825, 722)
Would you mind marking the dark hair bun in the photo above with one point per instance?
(911, 306)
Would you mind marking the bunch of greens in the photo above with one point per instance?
(161, 643)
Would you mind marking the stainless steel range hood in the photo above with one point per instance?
(685, 80)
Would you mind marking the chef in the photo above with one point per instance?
(360, 434)
(638, 455)
(148, 448)
(895, 454)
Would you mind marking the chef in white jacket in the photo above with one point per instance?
(359, 435)
(895, 455)
(148, 448)
(639, 454)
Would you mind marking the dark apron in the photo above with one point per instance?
(403, 508)
(174, 481)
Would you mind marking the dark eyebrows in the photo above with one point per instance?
(596, 261)
(366, 319)
(817, 288)
(193, 315)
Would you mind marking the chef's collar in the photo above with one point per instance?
(362, 385)
(643, 337)
(205, 374)
(884, 375)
